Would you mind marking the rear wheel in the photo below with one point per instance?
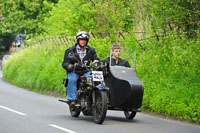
(130, 114)
(74, 112)
(100, 106)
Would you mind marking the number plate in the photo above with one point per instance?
(97, 76)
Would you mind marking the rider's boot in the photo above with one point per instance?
(72, 103)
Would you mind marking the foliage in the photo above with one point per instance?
(152, 16)
(36, 18)
(98, 16)
(5, 41)
(42, 73)
(170, 71)
(22, 16)
(182, 15)
(2, 48)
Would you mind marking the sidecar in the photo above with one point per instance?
(125, 90)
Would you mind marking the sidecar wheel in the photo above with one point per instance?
(130, 114)
(100, 106)
(74, 112)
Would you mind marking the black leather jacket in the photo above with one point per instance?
(121, 62)
(90, 56)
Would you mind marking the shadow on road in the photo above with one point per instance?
(121, 119)
(108, 120)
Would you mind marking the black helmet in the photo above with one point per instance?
(82, 35)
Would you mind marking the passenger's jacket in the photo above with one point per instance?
(120, 62)
(90, 56)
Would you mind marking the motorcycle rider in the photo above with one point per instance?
(115, 60)
(74, 66)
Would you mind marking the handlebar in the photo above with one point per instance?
(96, 65)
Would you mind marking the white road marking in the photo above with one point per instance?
(61, 128)
(12, 110)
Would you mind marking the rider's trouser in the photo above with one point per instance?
(72, 82)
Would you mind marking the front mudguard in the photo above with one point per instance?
(97, 89)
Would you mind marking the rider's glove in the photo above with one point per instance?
(70, 67)
(78, 66)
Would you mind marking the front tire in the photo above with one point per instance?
(100, 106)
(130, 114)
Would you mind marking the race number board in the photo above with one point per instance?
(97, 76)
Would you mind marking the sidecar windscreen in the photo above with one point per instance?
(124, 73)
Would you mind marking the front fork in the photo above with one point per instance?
(94, 96)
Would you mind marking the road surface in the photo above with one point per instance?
(24, 111)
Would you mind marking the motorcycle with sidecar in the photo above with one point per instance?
(108, 88)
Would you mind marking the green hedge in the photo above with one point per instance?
(37, 67)
(170, 69)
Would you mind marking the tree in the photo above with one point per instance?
(22, 16)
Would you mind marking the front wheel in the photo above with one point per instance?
(100, 106)
(130, 114)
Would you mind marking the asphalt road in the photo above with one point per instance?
(24, 111)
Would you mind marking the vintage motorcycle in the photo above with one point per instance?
(91, 93)
(109, 88)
